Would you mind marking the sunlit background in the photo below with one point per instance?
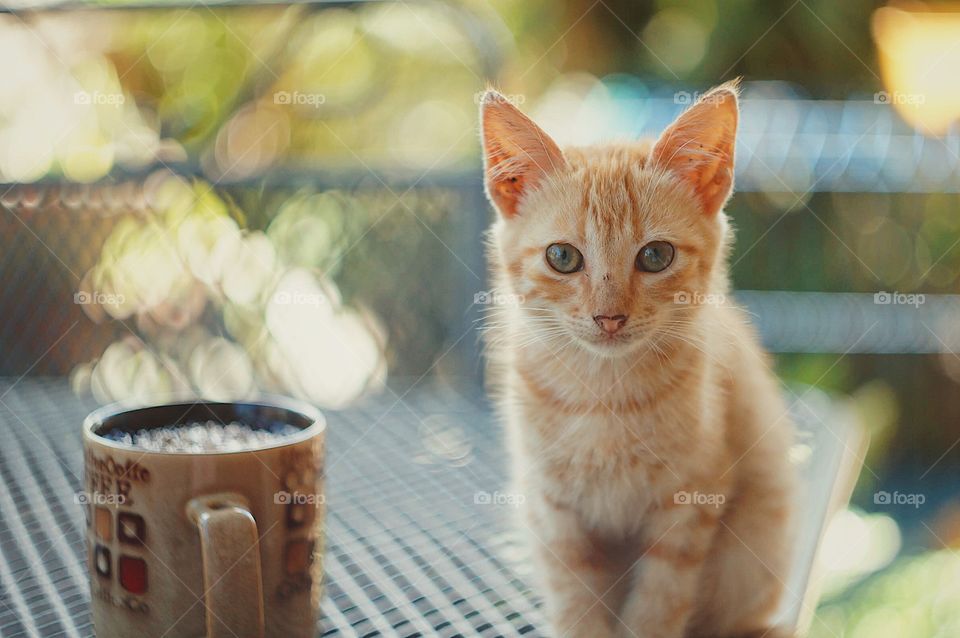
(223, 201)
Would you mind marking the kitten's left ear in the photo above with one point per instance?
(698, 147)
(517, 154)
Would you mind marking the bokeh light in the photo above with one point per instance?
(919, 58)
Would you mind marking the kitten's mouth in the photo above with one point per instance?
(608, 345)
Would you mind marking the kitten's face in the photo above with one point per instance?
(635, 244)
(607, 246)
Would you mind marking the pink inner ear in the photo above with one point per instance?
(699, 147)
(517, 154)
(505, 180)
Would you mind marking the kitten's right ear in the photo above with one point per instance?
(699, 146)
(517, 154)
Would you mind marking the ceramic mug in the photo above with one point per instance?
(217, 544)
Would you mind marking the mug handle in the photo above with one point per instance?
(232, 580)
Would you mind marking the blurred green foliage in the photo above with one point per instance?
(917, 597)
(822, 46)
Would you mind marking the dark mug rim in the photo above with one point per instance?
(295, 409)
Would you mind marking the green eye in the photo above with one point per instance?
(655, 256)
(564, 258)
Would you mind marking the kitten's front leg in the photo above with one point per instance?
(577, 575)
(666, 579)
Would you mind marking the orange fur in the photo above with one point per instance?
(607, 430)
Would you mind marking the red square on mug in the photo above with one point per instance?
(133, 574)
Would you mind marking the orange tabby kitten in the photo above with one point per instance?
(647, 432)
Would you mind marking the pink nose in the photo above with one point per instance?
(610, 325)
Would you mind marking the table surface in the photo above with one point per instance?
(410, 552)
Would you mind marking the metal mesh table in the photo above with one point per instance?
(410, 550)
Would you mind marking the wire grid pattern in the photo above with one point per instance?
(38, 297)
(409, 553)
(45, 263)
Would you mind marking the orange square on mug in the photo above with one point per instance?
(103, 523)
